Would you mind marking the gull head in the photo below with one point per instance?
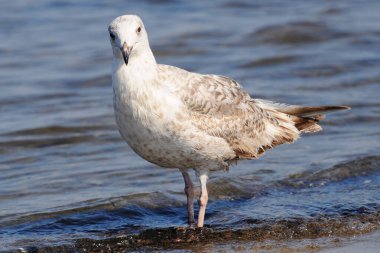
(128, 37)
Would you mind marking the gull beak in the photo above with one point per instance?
(126, 51)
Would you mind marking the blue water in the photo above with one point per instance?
(67, 174)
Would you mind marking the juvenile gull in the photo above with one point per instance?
(179, 119)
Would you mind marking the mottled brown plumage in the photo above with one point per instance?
(178, 119)
(219, 106)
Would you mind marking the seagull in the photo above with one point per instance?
(189, 121)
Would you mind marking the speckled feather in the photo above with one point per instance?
(179, 119)
(218, 106)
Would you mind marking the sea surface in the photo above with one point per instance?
(69, 183)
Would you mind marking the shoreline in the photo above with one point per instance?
(318, 235)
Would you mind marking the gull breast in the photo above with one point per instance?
(156, 126)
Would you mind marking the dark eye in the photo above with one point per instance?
(113, 37)
(138, 29)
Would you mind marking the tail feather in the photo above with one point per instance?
(308, 125)
(310, 111)
(308, 117)
(305, 118)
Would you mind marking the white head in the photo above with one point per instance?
(128, 37)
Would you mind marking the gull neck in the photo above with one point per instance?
(142, 65)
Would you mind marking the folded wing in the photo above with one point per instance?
(220, 107)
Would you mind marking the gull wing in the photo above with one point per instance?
(220, 107)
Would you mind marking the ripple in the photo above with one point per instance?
(29, 99)
(355, 168)
(269, 61)
(48, 142)
(321, 71)
(57, 130)
(351, 84)
(295, 33)
(100, 81)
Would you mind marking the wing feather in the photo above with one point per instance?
(220, 107)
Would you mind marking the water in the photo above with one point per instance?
(69, 182)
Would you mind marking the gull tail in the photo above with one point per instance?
(305, 118)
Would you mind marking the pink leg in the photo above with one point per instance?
(202, 199)
(189, 190)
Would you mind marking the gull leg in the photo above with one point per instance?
(202, 199)
(189, 190)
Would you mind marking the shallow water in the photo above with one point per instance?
(69, 181)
